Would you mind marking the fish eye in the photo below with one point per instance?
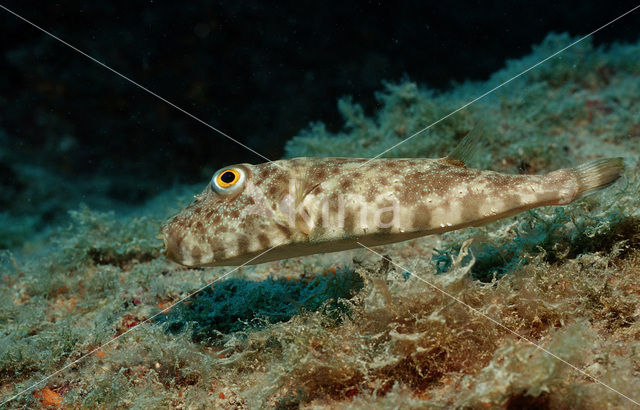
(228, 180)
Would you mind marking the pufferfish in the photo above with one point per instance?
(250, 214)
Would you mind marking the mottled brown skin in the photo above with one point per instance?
(342, 201)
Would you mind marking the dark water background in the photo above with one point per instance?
(72, 131)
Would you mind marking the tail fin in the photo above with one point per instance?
(598, 174)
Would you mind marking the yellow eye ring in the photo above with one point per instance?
(228, 181)
(227, 178)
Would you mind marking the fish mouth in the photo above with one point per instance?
(162, 235)
(172, 241)
(172, 249)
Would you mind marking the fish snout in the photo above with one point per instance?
(183, 246)
(172, 248)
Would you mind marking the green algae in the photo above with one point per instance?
(236, 304)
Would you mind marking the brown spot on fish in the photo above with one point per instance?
(196, 254)
(351, 219)
(243, 244)
(371, 194)
(264, 240)
(173, 242)
(318, 174)
(421, 218)
(217, 248)
(284, 229)
(471, 209)
(410, 191)
(263, 174)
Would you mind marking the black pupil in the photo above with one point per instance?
(227, 177)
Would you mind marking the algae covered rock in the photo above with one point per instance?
(539, 310)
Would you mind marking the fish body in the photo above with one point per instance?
(304, 206)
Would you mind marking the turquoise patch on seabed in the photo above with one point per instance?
(239, 305)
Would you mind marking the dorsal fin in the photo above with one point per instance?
(466, 148)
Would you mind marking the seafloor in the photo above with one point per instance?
(347, 330)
